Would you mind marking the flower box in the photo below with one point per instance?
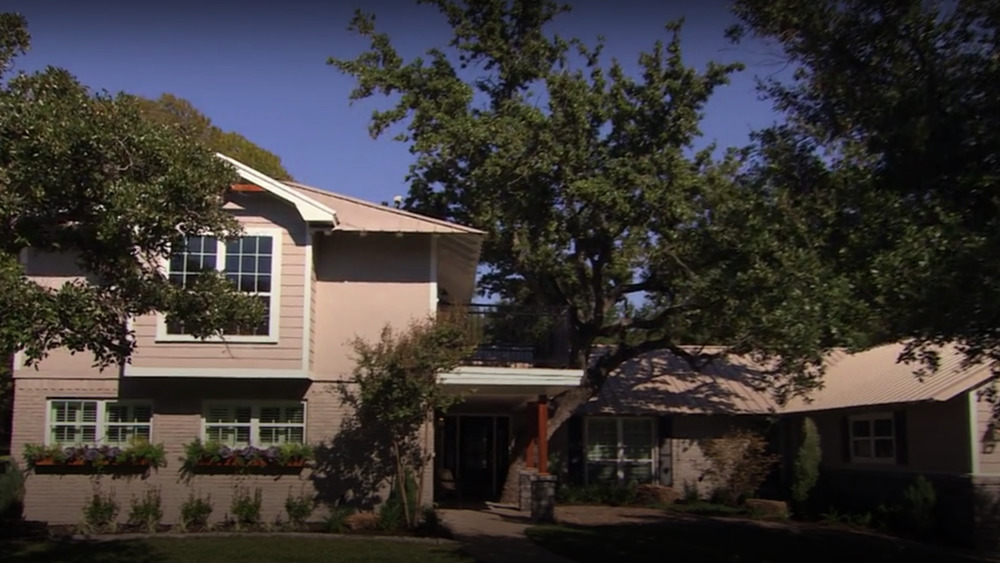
(138, 455)
(219, 458)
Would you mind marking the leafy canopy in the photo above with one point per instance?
(889, 146)
(87, 175)
(593, 194)
(178, 112)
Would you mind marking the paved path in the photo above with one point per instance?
(496, 535)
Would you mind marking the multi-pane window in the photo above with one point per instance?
(620, 449)
(873, 438)
(98, 422)
(250, 263)
(261, 425)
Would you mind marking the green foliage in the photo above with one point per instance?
(215, 452)
(147, 511)
(11, 492)
(610, 494)
(737, 464)
(299, 508)
(195, 512)
(887, 152)
(431, 523)
(181, 114)
(138, 452)
(84, 174)
(100, 513)
(245, 507)
(917, 506)
(805, 470)
(336, 521)
(593, 196)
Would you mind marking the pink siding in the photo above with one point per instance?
(252, 210)
(987, 446)
(362, 283)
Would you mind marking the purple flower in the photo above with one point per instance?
(91, 454)
(225, 452)
(69, 453)
(249, 453)
(271, 453)
(113, 452)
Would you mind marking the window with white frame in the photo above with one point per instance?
(250, 263)
(98, 422)
(873, 438)
(262, 425)
(620, 449)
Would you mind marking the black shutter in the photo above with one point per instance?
(902, 441)
(845, 439)
(666, 462)
(575, 465)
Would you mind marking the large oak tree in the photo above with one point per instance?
(593, 196)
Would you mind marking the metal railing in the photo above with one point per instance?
(509, 336)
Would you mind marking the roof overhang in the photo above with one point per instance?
(309, 209)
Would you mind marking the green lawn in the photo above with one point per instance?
(243, 549)
(712, 541)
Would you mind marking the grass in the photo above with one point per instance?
(712, 541)
(245, 549)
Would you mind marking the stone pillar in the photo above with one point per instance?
(543, 498)
(524, 490)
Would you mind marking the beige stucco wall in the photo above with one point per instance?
(362, 283)
(177, 408)
(938, 437)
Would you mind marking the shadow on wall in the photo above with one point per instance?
(356, 465)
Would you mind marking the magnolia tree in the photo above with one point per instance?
(85, 174)
(395, 394)
(596, 201)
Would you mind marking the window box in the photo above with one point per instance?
(139, 455)
(200, 456)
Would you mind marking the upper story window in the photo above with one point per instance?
(98, 422)
(252, 263)
(873, 438)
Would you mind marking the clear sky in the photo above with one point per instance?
(259, 68)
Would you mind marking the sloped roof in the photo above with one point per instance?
(359, 215)
(661, 383)
(309, 209)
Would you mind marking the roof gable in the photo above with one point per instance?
(308, 208)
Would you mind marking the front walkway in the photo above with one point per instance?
(496, 535)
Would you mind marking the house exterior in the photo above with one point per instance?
(328, 268)
(880, 426)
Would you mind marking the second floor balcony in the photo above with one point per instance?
(514, 337)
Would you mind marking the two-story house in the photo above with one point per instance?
(328, 268)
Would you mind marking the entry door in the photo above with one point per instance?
(476, 441)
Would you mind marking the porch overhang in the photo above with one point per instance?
(511, 386)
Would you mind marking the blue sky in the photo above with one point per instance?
(259, 69)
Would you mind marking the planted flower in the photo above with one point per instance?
(139, 452)
(212, 453)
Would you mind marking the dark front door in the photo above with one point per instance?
(476, 450)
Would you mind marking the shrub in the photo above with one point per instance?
(737, 464)
(336, 521)
(246, 508)
(916, 511)
(611, 494)
(146, 512)
(99, 513)
(11, 492)
(195, 513)
(299, 509)
(805, 470)
(431, 524)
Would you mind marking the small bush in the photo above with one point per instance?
(611, 494)
(336, 521)
(391, 515)
(737, 464)
(100, 513)
(195, 513)
(11, 492)
(246, 508)
(916, 511)
(146, 512)
(431, 524)
(805, 471)
(299, 509)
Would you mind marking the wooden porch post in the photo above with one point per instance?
(531, 427)
(543, 435)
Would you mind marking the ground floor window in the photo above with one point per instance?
(249, 424)
(873, 438)
(620, 449)
(98, 422)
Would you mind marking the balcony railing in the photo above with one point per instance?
(510, 336)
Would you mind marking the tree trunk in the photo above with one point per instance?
(565, 405)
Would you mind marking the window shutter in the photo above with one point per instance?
(575, 463)
(902, 441)
(665, 437)
(845, 439)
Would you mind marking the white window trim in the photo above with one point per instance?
(277, 236)
(255, 408)
(621, 461)
(871, 418)
(102, 424)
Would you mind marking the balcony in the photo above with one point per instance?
(514, 337)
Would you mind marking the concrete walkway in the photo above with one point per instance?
(496, 535)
